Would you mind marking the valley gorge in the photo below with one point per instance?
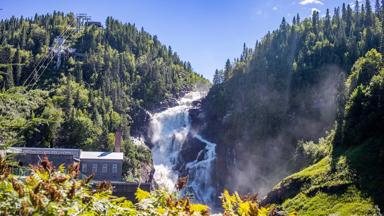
(292, 126)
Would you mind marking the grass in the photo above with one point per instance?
(339, 184)
(350, 202)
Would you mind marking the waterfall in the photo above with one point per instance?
(200, 184)
(169, 130)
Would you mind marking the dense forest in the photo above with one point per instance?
(98, 82)
(291, 88)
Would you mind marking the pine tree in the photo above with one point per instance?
(382, 8)
(357, 12)
(19, 68)
(218, 77)
(298, 19)
(381, 48)
(327, 24)
(378, 8)
(369, 14)
(349, 21)
(344, 12)
(79, 73)
(9, 77)
(228, 70)
(24, 38)
(68, 98)
(315, 21)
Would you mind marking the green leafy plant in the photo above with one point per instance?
(50, 191)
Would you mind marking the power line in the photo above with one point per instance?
(38, 65)
(46, 66)
(42, 61)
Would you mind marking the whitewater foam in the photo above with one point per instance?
(169, 130)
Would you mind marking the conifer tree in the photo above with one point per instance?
(9, 77)
(227, 70)
(298, 18)
(19, 68)
(369, 15)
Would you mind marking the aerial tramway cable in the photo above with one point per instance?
(38, 65)
(46, 66)
(43, 60)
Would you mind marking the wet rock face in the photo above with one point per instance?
(190, 151)
(197, 117)
(146, 172)
(192, 146)
(141, 119)
(167, 103)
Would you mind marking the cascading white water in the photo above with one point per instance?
(199, 171)
(169, 130)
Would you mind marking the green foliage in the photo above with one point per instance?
(349, 177)
(290, 87)
(347, 203)
(245, 206)
(137, 160)
(46, 191)
(327, 187)
(123, 62)
(57, 192)
(317, 151)
(364, 69)
(364, 112)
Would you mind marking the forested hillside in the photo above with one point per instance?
(290, 88)
(346, 173)
(100, 81)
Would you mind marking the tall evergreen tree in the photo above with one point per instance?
(298, 18)
(19, 67)
(369, 14)
(9, 77)
(227, 70)
(377, 7)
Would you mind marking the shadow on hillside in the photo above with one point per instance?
(367, 164)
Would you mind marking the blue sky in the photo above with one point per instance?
(204, 32)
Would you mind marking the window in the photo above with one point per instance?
(84, 168)
(94, 168)
(104, 168)
(114, 168)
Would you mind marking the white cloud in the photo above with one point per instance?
(275, 8)
(306, 2)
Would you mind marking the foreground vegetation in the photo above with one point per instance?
(47, 191)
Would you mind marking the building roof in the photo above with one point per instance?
(77, 153)
(47, 151)
(101, 155)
